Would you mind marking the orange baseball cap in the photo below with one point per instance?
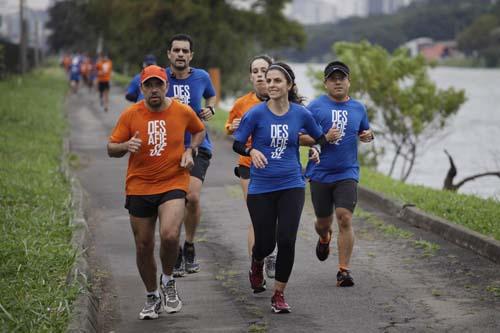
(153, 71)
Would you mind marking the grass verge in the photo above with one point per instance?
(121, 79)
(34, 205)
(475, 213)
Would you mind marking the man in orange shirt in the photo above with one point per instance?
(104, 67)
(157, 180)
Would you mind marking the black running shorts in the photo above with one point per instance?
(326, 197)
(103, 86)
(201, 163)
(242, 172)
(147, 205)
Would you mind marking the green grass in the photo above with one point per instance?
(429, 248)
(219, 120)
(494, 289)
(34, 205)
(121, 79)
(470, 211)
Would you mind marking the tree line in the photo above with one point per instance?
(439, 20)
(225, 36)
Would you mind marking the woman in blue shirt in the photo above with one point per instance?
(276, 190)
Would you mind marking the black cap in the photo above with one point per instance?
(336, 66)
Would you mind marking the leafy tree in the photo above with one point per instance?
(482, 37)
(405, 107)
(225, 36)
(69, 26)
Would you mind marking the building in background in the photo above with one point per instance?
(330, 11)
(433, 50)
(312, 11)
(36, 20)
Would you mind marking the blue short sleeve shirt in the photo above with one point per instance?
(277, 137)
(338, 160)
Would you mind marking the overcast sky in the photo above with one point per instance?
(9, 6)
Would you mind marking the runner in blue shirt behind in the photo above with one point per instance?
(334, 180)
(134, 93)
(276, 190)
(190, 85)
(75, 72)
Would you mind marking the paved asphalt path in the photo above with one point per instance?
(402, 285)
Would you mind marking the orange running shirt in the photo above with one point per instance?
(155, 168)
(240, 107)
(104, 68)
(86, 67)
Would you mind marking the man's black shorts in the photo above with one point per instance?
(242, 172)
(201, 163)
(326, 197)
(147, 205)
(103, 86)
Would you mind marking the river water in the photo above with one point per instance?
(470, 136)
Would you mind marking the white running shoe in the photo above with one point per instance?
(171, 301)
(152, 308)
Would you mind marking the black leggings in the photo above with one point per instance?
(276, 215)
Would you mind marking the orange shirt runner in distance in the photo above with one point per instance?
(240, 107)
(104, 68)
(156, 167)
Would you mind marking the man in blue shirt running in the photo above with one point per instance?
(335, 178)
(134, 93)
(190, 85)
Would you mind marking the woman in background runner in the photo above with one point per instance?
(258, 68)
(276, 190)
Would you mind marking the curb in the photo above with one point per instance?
(457, 234)
(83, 317)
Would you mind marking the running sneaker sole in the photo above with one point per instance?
(173, 310)
(260, 289)
(276, 310)
(179, 273)
(151, 315)
(192, 270)
(148, 316)
(345, 283)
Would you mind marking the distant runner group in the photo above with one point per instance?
(169, 150)
(81, 67)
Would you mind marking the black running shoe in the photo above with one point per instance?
(344, 278)
(191, 265)
(323, 249)
(179, 265)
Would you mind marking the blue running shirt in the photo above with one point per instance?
(338, 160)
(191, 91)
(277, 137)
(134, 87)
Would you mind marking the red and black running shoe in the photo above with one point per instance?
(278, 304)
(344, 278)
(256, 276)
